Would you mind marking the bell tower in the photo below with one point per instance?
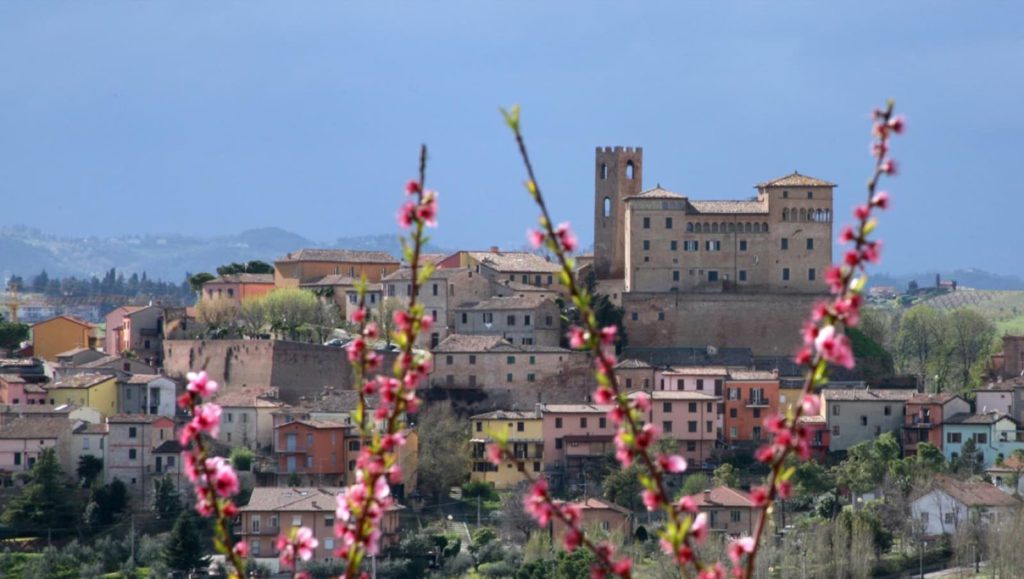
(618, 173)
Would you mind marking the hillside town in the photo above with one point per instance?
(916, 454)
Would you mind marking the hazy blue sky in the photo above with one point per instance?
(200, 117)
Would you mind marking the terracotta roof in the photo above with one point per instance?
(296, 499)
(676, 395)
(795, 179)
(18, 362)
(697, 371)
(142, 378)
(100, 362)
(592, 503)
(1008, 386)
(12, 378)
(40, 427)
(69, 318)
(725, 207)
(673, 356)
(632, 364)
(133, 419)
(941, 398)
(80, 381)
(507, 415)
(332, 281)
(507, 303)
(816, 419)
(405, 273)
(247, 399)
(317, 424)
(968, 418)
(514, 262)
(578, 408)
(339, 255)
(168, 447)
(973, 494)
(723, 497)
(468, 343)
(266, 278)
(656, 193)
(34, 389)
(74, 351)
(90, 428)
(865, 395)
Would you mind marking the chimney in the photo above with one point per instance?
(494, 249)
(539, 410)
(775, 373)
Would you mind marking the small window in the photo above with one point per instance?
(691, 426)
(785, 194)
(661, 316)
(479, 426)
(835, 410)
(666, 426)
(647, 222)
(785, 244)
(604, 171)
(863, 420)
(508, 377)
(675, 275)
(520, 426)
(133, 432)
(668, 223)
(132, 454)
(602, 422)
(629, 170)
(558, 422)
(810, 243)
(449, 359)
(888, 410)
(583, 422)
(673, 245)
(510, 360)
(558, 444)
(734, 516)
(472, 359)
(647, 245)
(743, 245)
(732, 413)
(810, 194)
(812, 274)
(785, 274)
(634, 316)
(743, 275)
(607, 207)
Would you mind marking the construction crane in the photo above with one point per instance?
(11, 300)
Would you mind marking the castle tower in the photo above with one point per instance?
(618, 173)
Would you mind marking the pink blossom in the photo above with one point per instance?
(241, 549)
(651, 499)
(355, 349)
(566, 237)
(897, 124)
(861, 212)
(603, 395)
(536, 238)
(407, 214)
(715, 571)
(889, 167)
(740, 547)
(687, 504)
(359, 315)
(759, 496)
(577, 338)
(412, 187)
(622, 566)
(672, 463)
(187, 434)
(764, 454)
(608, 335)
(573, 539)
(207, 419)
(642, 402)
(305, 543)
(784, 489)
(835, 348)
(427, 210)
(225, 481)
(201, 384)
(811, 404)
(699, 528)
(881, 200)
(494, 454)
(389, 442)
(647, 435)
(536, 503)
(846, 234)
(371, 331)
(402, 320)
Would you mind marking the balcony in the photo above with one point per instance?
(756, 402)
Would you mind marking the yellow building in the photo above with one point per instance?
(789, 394)
(96, 391)
(60, 334)
(525, 441)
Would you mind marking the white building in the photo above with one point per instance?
(948, 503)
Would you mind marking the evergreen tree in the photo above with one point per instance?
(89, 467)
(167, 503)
(43, 503)
(12, 334)
(184, 550)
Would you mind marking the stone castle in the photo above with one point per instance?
(736, 273)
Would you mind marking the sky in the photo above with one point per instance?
(216, 117)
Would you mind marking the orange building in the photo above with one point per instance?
(310, 265)
(60, 334)
(311, 450)
(239, 287)
(750, 397)
(923, 418)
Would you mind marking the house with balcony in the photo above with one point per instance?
(151, 394)
(706, 379)
(817, 430)
(577, 438)
(922, 421)
(525, 434)
(692, 420)
(750, 397)
(311, 451)
(995, 436)
(274, 511)
(855, 415)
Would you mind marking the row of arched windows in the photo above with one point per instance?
(726, 227)
(794, 214)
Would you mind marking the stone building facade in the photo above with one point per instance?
(526, 321)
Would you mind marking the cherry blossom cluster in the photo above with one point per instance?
(299, 544)
(213, 479)
(825, 343)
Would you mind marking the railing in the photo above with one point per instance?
(757, 402)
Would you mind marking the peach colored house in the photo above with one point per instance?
(312, 450)
(115, 329)
(923, 418)
(706, 379)
(15, 391)
(272, 511)
(23, 439)
(598, 514)
(238, 287)
(310, 265)
(60, 334)
(730, 511)
(751, 396)
(692, 419)
(577, 437)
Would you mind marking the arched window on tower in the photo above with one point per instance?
(803, 215)
(764, 228)
(757, 228)
(689, 227)
(629, 169)
(828, 215)
(732, 228)
(714, 228)
(785, 214)
(707, 228)
(607, 207)
(748, 228)
(721, 228)
(604, 171)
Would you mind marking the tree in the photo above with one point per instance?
(622, 487)
(107, 502)
(184, 550)
(868, 463)
(385, 317)
(89, 467)
(443, 450)
(43, 503)
(726, 476)
(195, 282)
(970, 461)
(920, 340)
(241, 458)
(12, 334)
(253, 317)
(971, 338)
(290, 309)
(255, 266)
(167, 502)
(219, 315)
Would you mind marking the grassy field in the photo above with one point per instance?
(1004, 308)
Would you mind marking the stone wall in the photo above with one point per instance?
(768, 324)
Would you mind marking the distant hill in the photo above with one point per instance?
(26, 251)
(968, 278)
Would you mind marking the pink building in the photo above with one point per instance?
(115, 329)
(15, 391)
(577, 437)
(706, 379)
(692, 419)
